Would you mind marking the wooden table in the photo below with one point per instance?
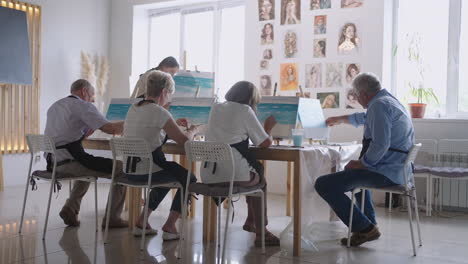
(209, 208)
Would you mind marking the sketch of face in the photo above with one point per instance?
(268, 29)
(313, 73)
(329, 101)
(319, 48)
(265, 10)
(290, 71)
(349, 32)
(319, 21)
(315, 4)
(290, 44)
(264, 82)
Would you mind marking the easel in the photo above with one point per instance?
(2, 184)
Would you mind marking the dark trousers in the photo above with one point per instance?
(175, 173)
(332, 189)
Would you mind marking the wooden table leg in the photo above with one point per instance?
(288, 190)
(297, 208)
(1, 173)
(209, 219)
(134, 205)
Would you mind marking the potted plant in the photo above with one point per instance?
(422, 94)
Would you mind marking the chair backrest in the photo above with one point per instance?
(427, 154)
(38, 143)
(131, 147)
(413, 153)
(210, 152)
(207, 151)
(453, 153)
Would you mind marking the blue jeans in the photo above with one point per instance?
(332, 189)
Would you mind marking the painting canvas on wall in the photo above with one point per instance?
(289, 77)
(266, 10)
(290, 12)
(334, 73)
(313, 75)
(329, 100)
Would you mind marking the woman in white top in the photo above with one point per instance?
(234, 122)
(147, 120)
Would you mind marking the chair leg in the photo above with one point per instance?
(182, 224)
(226, 229)
(350, 225)
(427, 196)
(363, 198)
(263, 221)
(25, 196)
(390, 202)
(416, 211)
(431, 194)
(48, 207)
(96, 204)
(109, 205)
(410, 218)
(219, 222)
(145, 219)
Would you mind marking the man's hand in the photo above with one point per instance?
(355, 164)
(337, 120)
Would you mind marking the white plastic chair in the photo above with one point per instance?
(452, 162)
(198, 151)
(42, 143)
(122, 148)
(408, 190)
(427, 158)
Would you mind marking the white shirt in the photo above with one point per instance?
(146, 122)
(68, 120)
(232, 123)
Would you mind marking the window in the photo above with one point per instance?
(209, 37)
(425, 58)
(463, 69)
(163, 28)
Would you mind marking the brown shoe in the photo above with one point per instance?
(359, 238)
(69, 217)
(119, 223)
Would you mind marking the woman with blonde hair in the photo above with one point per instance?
(234, 122)
(146, 120)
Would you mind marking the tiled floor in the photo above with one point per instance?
(445, 239)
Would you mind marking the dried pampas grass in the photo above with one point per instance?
(89, 71)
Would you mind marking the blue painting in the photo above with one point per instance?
(187, 83)
(195, 114)
(285, 114)
(118, 108)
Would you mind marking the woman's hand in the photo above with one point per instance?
(183, 122)
(270, 122)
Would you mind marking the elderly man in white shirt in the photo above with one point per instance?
(69, 121)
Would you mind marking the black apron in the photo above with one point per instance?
(366, 143)
(78, 153)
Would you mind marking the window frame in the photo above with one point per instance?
(216, 7)
(453, 58)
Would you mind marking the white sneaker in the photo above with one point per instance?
(170, 236)
(139, 231)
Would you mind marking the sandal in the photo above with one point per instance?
(270, 240)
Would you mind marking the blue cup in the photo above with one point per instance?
(297, 135)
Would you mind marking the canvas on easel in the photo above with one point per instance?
(312, 119)
(195, 110)
(188, 82)
(284, 109)
(118, 108)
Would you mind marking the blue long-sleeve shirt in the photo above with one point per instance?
(388, 124)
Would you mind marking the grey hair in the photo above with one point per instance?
(157, 81)
(80, 84)
(244, 92)
(367, 83)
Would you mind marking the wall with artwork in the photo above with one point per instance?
(319, 45)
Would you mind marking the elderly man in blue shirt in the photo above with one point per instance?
(388, 137)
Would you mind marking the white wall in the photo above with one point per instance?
(68, 27)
